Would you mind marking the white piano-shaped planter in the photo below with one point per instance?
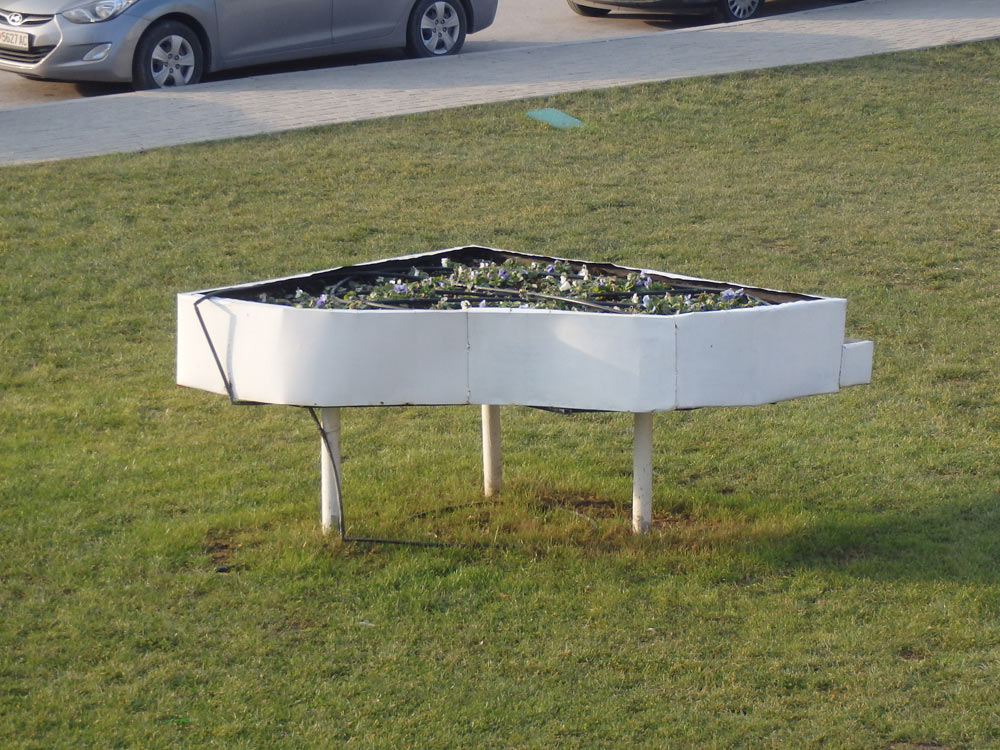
(230, 342)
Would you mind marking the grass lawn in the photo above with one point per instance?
(822, 573)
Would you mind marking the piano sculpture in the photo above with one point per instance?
(450, 327)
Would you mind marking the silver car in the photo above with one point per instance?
(160, 43)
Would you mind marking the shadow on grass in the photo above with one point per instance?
(954, 541)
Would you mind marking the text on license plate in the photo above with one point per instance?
(15, 39)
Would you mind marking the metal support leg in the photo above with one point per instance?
(642, 473)
(330, 469)
(492, 463)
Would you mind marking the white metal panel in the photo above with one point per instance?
(195, 366)
(856, 363)
(572, 360)
(759, 355)
(286, 355)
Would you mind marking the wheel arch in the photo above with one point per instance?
(470, 16)
(197, 27)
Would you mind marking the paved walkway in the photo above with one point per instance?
(266, 104)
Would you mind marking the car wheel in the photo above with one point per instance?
(586, 10)
(437, 27)
(169, 54)
(739, 10)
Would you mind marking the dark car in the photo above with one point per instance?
(725, 10)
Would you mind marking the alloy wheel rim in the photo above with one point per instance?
(742, 8)
(173, 62)
(439, 28)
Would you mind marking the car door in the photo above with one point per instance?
(259, 30)
(355, 20)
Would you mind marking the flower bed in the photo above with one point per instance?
(555, 332)
(554, 285)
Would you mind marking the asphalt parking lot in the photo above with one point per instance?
(519, 23)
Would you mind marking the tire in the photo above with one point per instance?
(168, 55)
(739, 10)
(586, 10)
(436, 28)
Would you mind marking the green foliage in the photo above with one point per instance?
(822, 572)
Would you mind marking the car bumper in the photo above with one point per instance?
(657, 6)
(59, 49)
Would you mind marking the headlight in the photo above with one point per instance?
(97, 10)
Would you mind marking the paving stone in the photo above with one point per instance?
(265, 104)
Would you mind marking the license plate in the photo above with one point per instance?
(14, 39)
